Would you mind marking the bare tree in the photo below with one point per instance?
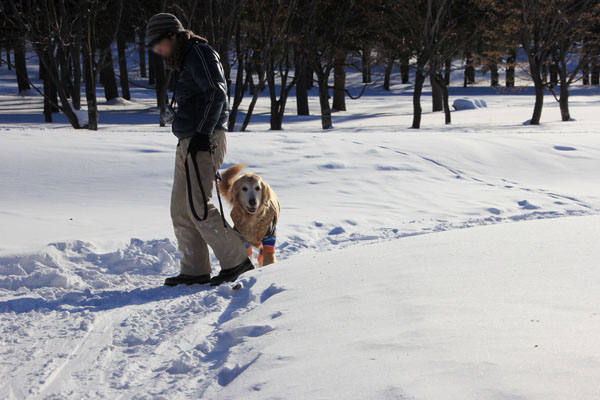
(279, 60)
(325, 29)
(48, 27)
(576, 21)
(550, 32)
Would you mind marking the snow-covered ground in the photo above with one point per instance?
(490, 312)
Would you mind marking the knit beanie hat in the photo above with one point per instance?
(162, 25)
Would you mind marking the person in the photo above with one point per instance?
(201, 97)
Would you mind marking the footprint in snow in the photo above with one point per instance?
(564, 148)
(527, 205)
(179, 367)
(334, 165)
(270, 292)
(338, 230)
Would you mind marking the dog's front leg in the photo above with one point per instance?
(267, 258)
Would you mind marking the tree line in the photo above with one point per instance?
(278, 45)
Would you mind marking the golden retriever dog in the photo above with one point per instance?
(255, 210)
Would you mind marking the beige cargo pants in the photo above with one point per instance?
(195, 236)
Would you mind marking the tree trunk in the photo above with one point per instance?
(21, 66)
(493, 66)
(564, 102)
(469, 70)
(326, 122)
(124, 75)
(238, 96)
(585, 71)
(302, 90)
(50, 98)
(388, 74)
(142, 52)
(539, 100)
(404, 69)
(47, 97)
(53, 96)
(8, 58)
(437, 94)
(108, 78)
(596, 74)
(447, 71)
(90, 87)
(419, 80)
(339, 82)
(447, 115)
(366, 64)
(510, 69)
(278, 106)
(274, 118)
(252, 104)
(76, 60)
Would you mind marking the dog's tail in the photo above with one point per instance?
(228, 177)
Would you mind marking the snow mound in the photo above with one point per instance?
(117, 101)
(469, 104)
(78, 265)
(82, 116)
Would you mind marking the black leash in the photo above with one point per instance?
(189, 188)
(204, 198)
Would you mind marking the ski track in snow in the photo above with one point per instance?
(126, 348)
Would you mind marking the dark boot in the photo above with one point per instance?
(187, 279)
(231, 274)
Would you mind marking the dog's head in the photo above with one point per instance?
(250, 192)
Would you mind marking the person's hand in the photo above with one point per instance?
(199, 142)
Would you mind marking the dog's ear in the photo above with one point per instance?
(228, 176)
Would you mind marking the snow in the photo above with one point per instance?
(500, 311)
(468, 104)
(82, 116)
(380, 292)
(507, 311)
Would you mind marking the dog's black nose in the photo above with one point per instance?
(252, 202)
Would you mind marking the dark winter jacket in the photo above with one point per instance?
(201, 92)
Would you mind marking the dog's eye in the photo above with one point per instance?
(257, 188)
(245, 189)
